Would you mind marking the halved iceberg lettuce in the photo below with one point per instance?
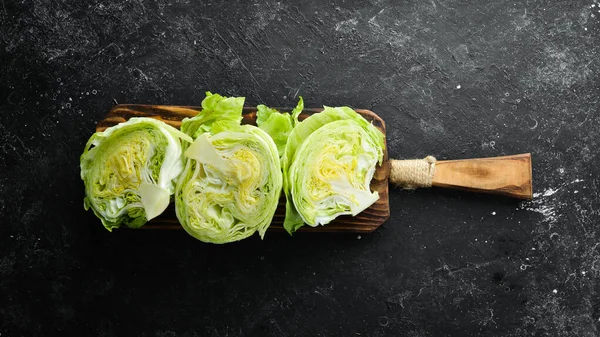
(232, 179)
(130, 169)
(328, 164)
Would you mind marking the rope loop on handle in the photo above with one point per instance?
(414, 173)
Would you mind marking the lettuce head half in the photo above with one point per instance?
(232, 179)
(328, 163)
(130, 169)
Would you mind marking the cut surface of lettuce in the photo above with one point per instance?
(231, 182)
(328, 164)
(129, 171)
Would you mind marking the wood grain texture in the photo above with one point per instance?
(509, 175)
(365, 222)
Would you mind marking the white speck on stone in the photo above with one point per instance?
(549, 192)
(493, 213)
(555, 291)
(359, 237)
(585, 28)
(576, 191)
(583, 273)
(458, 86)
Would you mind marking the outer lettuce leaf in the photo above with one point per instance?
(278, 125)
(232, 180)
(129, 171)
(328, 163)
(297, 110)
(216, 109)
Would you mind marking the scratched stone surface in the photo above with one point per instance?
(454, 79)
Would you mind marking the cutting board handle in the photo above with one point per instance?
(508, 175)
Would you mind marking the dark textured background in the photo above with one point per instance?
(454, 79)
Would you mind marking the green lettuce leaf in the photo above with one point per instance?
(278, 125)
(297, 110)
(129, 171)
(216, 109)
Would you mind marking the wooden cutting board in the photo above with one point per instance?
(365, 222)
(509, 176)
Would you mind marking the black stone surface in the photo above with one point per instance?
(454, 79)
